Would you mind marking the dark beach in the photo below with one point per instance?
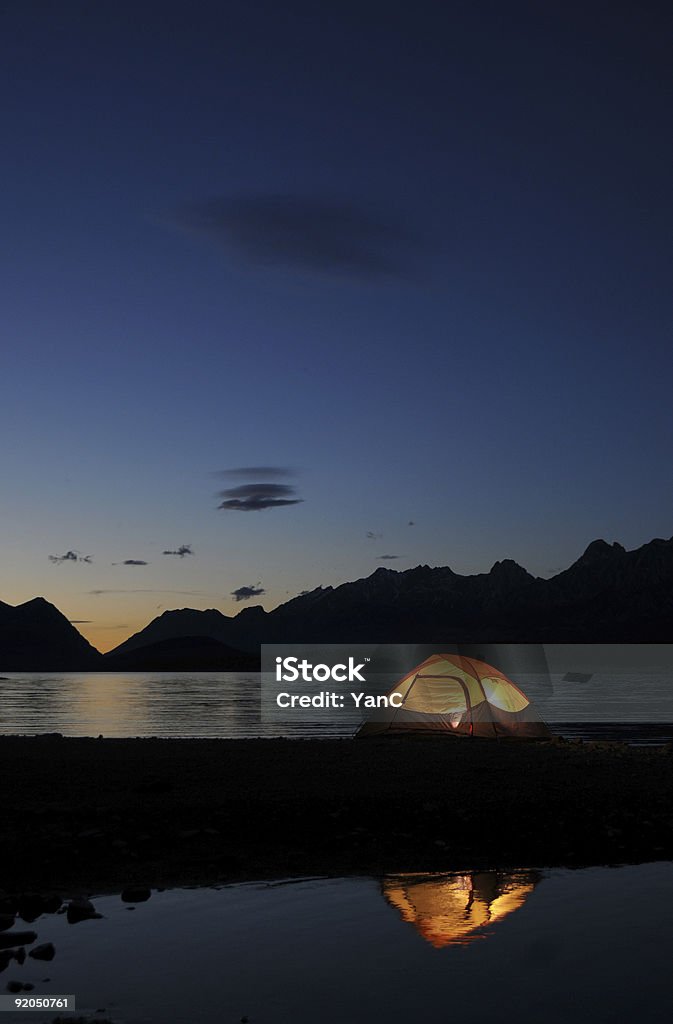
(95, 815)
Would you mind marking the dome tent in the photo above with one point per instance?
(455, 695)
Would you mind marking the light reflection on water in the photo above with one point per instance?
(229, 705)
(457, 909)
(590, 945)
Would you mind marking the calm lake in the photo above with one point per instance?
(638, 706)
(593, 945)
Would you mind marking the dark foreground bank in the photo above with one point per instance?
(86, 814)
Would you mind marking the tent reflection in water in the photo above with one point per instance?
(452, 694)
(456, 910)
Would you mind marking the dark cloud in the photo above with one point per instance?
(253, 497)
(132, 561)
(71, 556)
(245, 593)
(319, 235)
(79, 622)
(389, 558)
(257, 472)
(371, 535)
(184, 549)
(262, 493)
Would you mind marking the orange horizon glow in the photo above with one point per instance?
(106, 638)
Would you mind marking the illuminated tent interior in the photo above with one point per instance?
(452, 694)
(456, 910)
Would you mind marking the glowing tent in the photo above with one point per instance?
(456, 910)
(451, 694)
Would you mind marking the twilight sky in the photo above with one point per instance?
(406, 263)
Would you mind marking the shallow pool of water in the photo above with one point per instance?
(527, 946)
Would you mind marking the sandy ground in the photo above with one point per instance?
(86, 815)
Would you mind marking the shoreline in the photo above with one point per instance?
(85, 815)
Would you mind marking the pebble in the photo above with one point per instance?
(45, 951)
(81, 910)
(19, 986)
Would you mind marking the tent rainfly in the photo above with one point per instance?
(455, 695)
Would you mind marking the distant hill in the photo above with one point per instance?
(609, 595)
(241, 631)
(183, 654)
(37, 637)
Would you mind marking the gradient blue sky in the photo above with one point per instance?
(484, 348)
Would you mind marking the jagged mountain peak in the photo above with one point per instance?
(599, 550)
(507, 568)
(38, 604)
(254, 611)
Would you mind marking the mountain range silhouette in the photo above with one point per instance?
(609, 595)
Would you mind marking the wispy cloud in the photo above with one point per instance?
(80, 622)
(257, 472)
(141, 590)
(315, 234)
(245, 593)
(70, 556)
(184, 549)
(372, 535)
(132, 561)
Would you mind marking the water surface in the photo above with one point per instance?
(593, 945)
(638, 706)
